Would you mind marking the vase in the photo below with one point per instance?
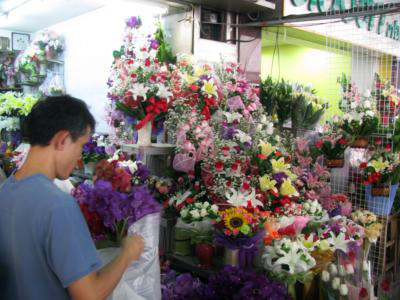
(360, 142)
(335, 163)
(90, 167)
(205, 253)
(231, 257)
(42, 69)
(382, 203)
(144, 135)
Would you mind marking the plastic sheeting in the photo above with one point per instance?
(141, 281)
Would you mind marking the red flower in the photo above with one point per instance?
(319, 145)
(130, 62)
(194, 88)
(180, 206)
(219, 165)
(343, 142)
(388, 148)
(363, 293)
(278, 154)
(378, 141)
(234, 167)
(288, 231)
(262, 156)
(147, 63)
(228, 184)
(273, 193)
(363, 165)
(385, 285)
(246, 186)
(189, 200)
(278, 210)
(121, 181)
(153, 79)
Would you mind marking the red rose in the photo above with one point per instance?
(319, 145)
(147, 63)
(385, 285)
(278, 154)
(219, 165)
(130, 62)
(228, 184)
(273, 193)
(378, 141)
(189, 200)
(343, 142)
(363, 165)
(153, 78)
(278, 210)
(262, 156)
(388, 148)
(180, 206)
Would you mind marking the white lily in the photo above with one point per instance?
(242, 137)
(139, 89)
(164, 92)
(238, 199)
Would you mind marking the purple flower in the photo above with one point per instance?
(142, 172)
(227, 132)
(112, 97)
(134, 22)
(154, 45)
(279, 178)
(109, 82)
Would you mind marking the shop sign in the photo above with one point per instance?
(379, 24)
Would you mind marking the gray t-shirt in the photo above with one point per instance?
(45, 244)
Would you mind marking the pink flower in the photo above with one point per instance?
(302, 144)
(228, 232)
(219, 166)
(300, 222)
(311, 195)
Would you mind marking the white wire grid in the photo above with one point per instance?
(360, 54)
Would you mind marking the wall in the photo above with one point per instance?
(90, 40)
(307, 65)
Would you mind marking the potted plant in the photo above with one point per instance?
(381, 175)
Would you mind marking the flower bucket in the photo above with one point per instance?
(335, 163)
(90, 167)
(231, 257)
(182, 242)
(360, 143)
(144, 135)
(380, 205)
(205, 254)
(380, 191)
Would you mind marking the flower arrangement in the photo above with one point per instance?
(386, 100)
(337, 204)
(369, 221)
(118, 198)
(381, 169)
(360, 119)
(49, 42)
(139, 83)
(196, 212)
(332, 146)
(94, 150)
(16, 105)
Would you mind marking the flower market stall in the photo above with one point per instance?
(276, 189)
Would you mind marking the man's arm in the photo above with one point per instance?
(98, 285)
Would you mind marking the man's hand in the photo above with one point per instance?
(133, 247)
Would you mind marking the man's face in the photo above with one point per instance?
(67, 158)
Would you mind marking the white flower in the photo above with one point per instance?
(214, 208)
(198, 205)
(206, 204)
(184, 213)
(333, 269)
(325, 276)
(367, 104)
(342, 271)
(139, 89)
(370, 113)
(230, 117)
(367, 93)
(270, 128)
(350, 269)
(336, 283)
(238, 199)
(163, 91)
(353, 105)
(203, 212)
(195, 213)
(242, 137)
(131, 165)
(343, 289)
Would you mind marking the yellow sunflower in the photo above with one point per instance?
(236, 219)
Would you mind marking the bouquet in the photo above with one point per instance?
(197, 212)
(332, 146)
(49, 42)
(94, 150)
(337, 204)
(369, 221)
(118, 198)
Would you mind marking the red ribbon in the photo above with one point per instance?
(153, 109)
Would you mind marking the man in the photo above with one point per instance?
(45, 247)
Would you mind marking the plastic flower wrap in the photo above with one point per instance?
(198, 212)
(368, 220)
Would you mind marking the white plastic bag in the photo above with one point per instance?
(141, 281)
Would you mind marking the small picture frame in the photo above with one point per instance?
(19, 41)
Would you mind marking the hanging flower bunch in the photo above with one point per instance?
(139, 85)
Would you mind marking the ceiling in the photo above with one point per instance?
(33, 15)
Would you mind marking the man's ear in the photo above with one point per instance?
(61, 139)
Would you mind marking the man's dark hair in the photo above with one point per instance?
(54, 114)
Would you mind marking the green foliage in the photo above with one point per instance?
(164, 54)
